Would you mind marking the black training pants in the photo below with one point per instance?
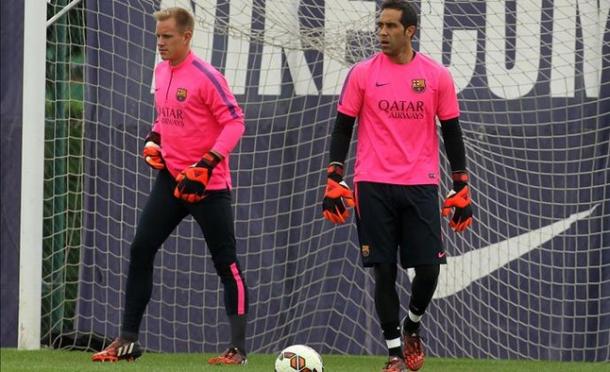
(161, 214)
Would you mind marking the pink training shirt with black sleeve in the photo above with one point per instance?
(396, 106)
(196, 113)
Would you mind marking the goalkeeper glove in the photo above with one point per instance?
(459, 199)
(193, 180)
(337, 196)
(152, 151)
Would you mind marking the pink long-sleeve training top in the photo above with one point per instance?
(196, 113)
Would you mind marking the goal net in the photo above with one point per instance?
(530, 279)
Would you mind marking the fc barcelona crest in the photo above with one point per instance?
(181, 94)
(418, 85)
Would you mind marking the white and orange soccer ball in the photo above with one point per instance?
(298, 358)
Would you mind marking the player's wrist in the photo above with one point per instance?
(334, 171)
(209, 160)
(460, 179)
(154, 137)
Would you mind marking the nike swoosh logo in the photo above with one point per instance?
(461, 271)
(441, 254)
(381, 84)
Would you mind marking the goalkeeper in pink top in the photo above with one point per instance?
(198, 123)
(397, 95)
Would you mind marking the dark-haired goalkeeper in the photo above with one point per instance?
(397, 95)
(198, 124)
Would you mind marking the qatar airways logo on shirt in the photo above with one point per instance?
(402, 109)
(171, 116)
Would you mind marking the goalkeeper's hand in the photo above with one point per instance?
(337, 196)
(152, 151)
(459, 200)
(193, 180)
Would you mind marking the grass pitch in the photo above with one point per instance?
(59, 360)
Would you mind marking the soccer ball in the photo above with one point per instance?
(298, 358)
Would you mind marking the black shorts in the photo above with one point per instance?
(392, 216)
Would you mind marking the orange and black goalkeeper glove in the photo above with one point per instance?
(152, 151)
(337, 196)
(459, 200)
(193, 180)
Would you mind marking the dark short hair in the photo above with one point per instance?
(409, 15)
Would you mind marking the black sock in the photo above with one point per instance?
(387, 305)
(395, 352)
(129, 336)
(238, 331)
(391, 334)
(410, 326)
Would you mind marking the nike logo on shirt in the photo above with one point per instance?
(381, 84)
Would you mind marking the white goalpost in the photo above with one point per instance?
(32, 163)
(529, 280)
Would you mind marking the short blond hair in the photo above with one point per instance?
(184, 19)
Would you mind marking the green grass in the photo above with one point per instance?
(57, 360)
